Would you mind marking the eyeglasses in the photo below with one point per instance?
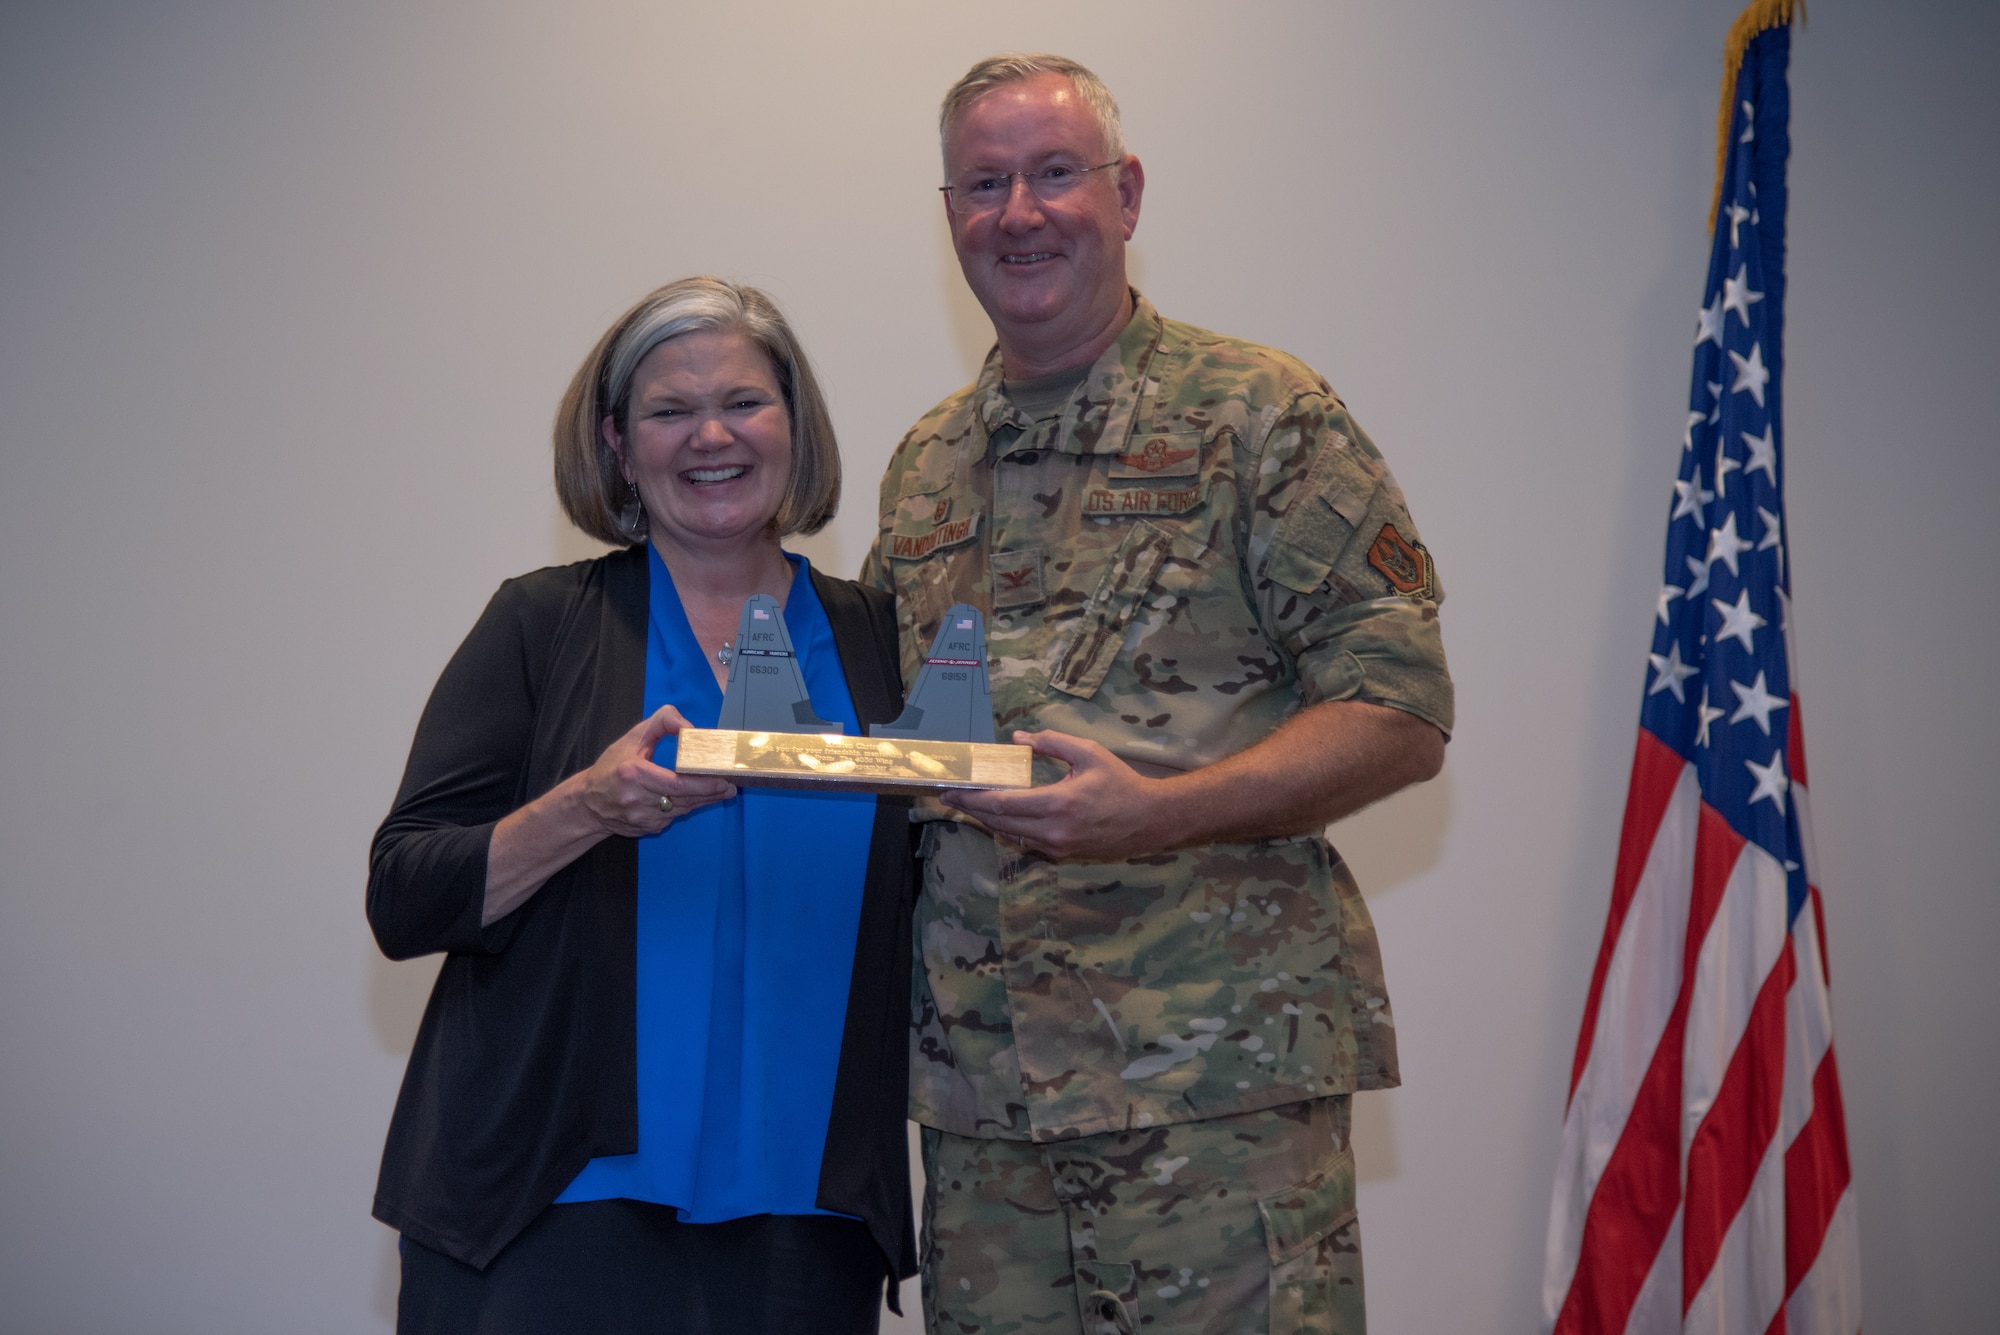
(982, 192)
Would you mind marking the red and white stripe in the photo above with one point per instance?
(1703, 1181)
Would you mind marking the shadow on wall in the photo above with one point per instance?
(567, 542)
(1386, 846)
(395, 998)
(1397, 840)
(1374, 1137)
(388, 1276)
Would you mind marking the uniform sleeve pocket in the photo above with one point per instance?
(1320, 524)
(1315, 1245)
(1298, 1217)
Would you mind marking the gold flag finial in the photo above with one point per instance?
(1758, 16)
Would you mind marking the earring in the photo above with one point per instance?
(632, 518)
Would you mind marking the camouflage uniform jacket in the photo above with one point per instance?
(1198, 545)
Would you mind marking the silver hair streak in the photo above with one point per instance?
(997, 71)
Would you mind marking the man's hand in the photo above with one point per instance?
(1324, 763)
(1103, 810)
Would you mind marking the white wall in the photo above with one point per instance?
(287, 294)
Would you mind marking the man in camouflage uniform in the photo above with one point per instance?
(1145, 992)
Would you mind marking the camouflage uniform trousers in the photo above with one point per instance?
(1237, 1224)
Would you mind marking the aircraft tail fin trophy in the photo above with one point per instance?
(943, 740)
(767, 692)
(952, 700)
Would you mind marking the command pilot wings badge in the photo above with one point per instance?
(1156, 456)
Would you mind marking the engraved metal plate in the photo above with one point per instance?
(830, 762)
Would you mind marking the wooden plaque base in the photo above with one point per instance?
(833, 763)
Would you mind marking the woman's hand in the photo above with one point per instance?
(622, 793)
(629, 795)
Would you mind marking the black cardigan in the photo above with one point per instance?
(526, 1065)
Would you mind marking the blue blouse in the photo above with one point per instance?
(747, 915)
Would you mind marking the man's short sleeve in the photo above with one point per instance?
(1343, 581)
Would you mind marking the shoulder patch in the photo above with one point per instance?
(1405, 564)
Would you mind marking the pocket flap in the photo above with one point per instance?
(1298, 1217)
(921, 511)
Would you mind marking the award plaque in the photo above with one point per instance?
(770, 736)
(850, 764)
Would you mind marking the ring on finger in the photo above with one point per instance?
(666, 803)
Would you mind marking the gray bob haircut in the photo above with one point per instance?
(588, 483)
(996, 71)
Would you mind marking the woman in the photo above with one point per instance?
(660, 1082)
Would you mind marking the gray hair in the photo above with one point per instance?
(588, 481)
(996, 71)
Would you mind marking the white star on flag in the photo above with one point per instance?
(1771, 780)
(1737, 216)
(1725, 546)
(1724, 466)
(1687, 432)
(1690, 500)
(1699, 585)
(1737, 296)
(1668, 592)
(1714, 392)
(1738, 622)
(1672, 673)
(1763, 454)
(1772, 537)
(1708, 715)
(1753, 701)
(1710, 328)
(1751, 373)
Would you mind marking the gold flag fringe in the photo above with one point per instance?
(1758, 16)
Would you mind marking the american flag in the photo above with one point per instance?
(1703, 1180)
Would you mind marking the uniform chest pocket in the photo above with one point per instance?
(1080, 657)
